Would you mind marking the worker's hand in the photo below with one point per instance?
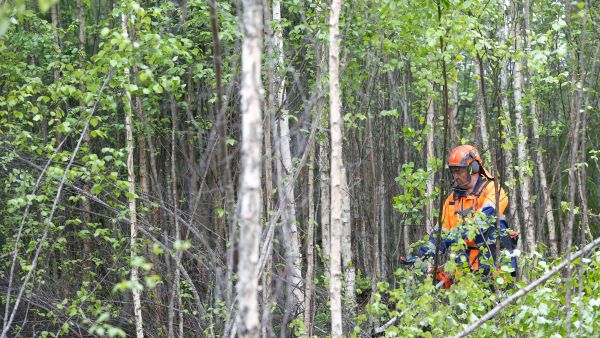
(408, 260)
(445, 278)
(513, 234)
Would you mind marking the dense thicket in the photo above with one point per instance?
(126, 182)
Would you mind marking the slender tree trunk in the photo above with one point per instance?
(582, 172)
(323, 155)
(176, 292)
(85, 203)
(294, 256)
(137, 304)
(250, 177)
(482, 106)
(223, 159)
(336, 171)
(346, 247)
(267, 279)
(383, 257)
(407, 124)
(56, 69)
(310, 261)
(430, 158)
(541, 168)
(507, 137)
(453, 113)
(578, 64)
(374, 205)
(522, 153)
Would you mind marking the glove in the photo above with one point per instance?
(444, 277)
(408, 260)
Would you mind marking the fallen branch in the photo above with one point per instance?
(528, 288)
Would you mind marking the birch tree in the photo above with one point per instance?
(346, 249)
(250, 177)
(290, 230)
(522, 153)
(137, 304)
(539, 153)
(336, 170)
(507, 134)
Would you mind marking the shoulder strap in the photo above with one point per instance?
(483, 186)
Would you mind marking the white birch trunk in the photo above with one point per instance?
(346, 247)
(250, 176)
(336, 170)
(290, 229)
(137, 304)
(522, 153)
(174, 194)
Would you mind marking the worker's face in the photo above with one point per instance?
(460, 177)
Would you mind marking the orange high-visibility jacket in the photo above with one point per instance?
(478, 207)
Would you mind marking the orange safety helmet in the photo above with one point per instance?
(467, 156)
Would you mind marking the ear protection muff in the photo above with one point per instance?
(474, 167)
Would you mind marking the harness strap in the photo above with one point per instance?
(483, 186)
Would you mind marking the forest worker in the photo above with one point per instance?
(469, 213)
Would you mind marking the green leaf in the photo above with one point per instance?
(393, 112)
(130, 195)
(115, 331)
(181, 245)
(96, 189)
(94, 121)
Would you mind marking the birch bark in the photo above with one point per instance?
(250, 176)
(290, 229)
(522, 153)
(137, 304)
(346, 247)
(336, 170)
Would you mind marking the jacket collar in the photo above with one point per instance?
(463, 193)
